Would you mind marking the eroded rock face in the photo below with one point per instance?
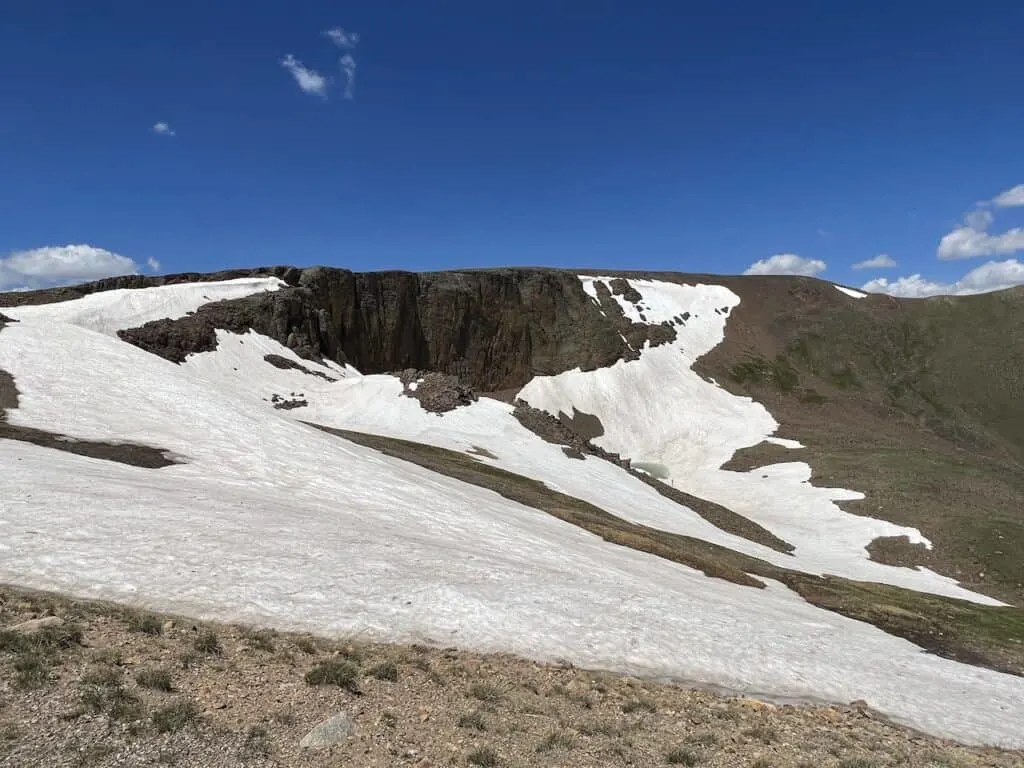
(437, 392)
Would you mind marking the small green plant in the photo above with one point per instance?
(207, 642)
(485, 757)
(386, 670)
(486, 692)
(145, 623)
(155, 678)
(682, 757)
(473, 720)
(175, 716)
(556, 740)
(340, 672)
(124, 706)
(639, 705)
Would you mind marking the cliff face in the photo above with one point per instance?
(494, 329)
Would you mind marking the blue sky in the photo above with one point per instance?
(690, 136)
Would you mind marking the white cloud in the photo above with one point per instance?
(881, 261)
(309, 80)
(786, 264)
(992, 276)
(163, 129)
(972, 239)
(56, 265)
(1011, 198)
(153, 264)
(343, 39)
(968, 242)
(348, 68)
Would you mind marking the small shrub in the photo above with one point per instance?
(858, 762)
(639, 705)
(285, 717)
(388, 719)
(191, 659)
(386, 670)
(92, 700)
(155, 678)
(124, 706)
(175, 716)
(486, 692)
(706, 739)
(474, 720)
(207, 642)
(761, 762)
(257, 744)
(682, 757)
(339, 672)
(102, 675)
(145, 623)
(32, 670)
(556, 740)
(50, 639)
(306, 645)
(765, 733)
(261, 640)
(484, 757)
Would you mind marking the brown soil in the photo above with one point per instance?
(97, 699)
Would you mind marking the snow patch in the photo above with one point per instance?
(850, 292)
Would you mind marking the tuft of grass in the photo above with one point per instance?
(386, 670)
(474, 720)
(388, 719)
(639, 705)
(207, 642)
(190, 659)
(175, 716)
(155, 678)
(145, 623)
(285, 716)
(340, 672)
(485, 757)
(705, 739)
(761, 762)
(307, 645)
(102, 675)
(556, 740)
(261, 640)
(765, 733)
(124, 706)
(682, 757)
(486, 692)
(31, 670)
(858, 762)
(257, 744)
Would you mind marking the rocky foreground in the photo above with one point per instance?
(93, 684)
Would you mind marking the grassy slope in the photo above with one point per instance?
(975, 634)
(918, 404)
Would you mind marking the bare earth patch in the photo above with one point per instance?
(115, 686)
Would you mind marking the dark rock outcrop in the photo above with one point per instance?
(437, 392)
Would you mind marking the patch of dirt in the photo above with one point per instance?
(476, 450)
(134, 688)
(290, 365)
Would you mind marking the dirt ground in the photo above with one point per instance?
(113, 686)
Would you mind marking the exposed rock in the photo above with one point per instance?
(285, 365)
(32, 626)
(287, 404)
(437, 392)
(621, 287)
(4, 320)
(330, 732)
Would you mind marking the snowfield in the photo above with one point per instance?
(270, 521)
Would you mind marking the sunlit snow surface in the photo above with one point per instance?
(851, 292)
(272, 521)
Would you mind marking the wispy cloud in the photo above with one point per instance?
(61, 265)
(163, 129)
(348, 69)
(1011, 198)
(153, 264)
(881, 261)
(341, 38)
(309, 80)
(786, 264)
(972, 238)
(992, 276)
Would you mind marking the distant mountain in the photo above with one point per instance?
(547, 463)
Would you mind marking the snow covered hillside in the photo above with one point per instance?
(265, 519)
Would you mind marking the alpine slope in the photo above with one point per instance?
(258, 516)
